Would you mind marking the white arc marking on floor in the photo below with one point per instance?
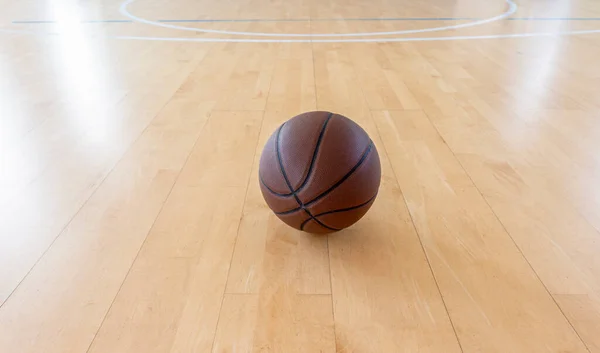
(361, 40)
(512, 8)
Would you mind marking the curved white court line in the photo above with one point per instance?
(353, 40)
(359, 40)
(512, 8)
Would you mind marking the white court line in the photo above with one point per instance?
(512, 8)
(354, 40)
(360, 40)
(357, 40)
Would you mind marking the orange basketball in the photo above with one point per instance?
(319, 172)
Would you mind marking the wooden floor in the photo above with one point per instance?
(131, 218)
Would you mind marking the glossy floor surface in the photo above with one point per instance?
(131, 218)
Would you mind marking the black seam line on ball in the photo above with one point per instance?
(345, 177)
(338, 183)
(310, 167)
(340, 210)
(347, 208)
(271, 190)
(315, 153)
(287, 181)
(316, 220)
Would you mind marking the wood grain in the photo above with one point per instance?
(452, 219)
(131, 219)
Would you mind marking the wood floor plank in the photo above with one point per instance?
(287, 319)
(255, 263)
(237, 324)
(52, 183)
(484, 279)
(250, 89)
(556, 239)
(383, 88)
(516, 155)
(290, 323)
(279, 277)
(583, 311)
(192, 254)
(171, 299)
(385, 296)
(292, 92)
(77, 279)
(131, 218)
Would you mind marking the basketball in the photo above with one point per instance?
(319, 172)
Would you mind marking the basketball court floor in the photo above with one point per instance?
(131, 218)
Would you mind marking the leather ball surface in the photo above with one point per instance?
(319, 172)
